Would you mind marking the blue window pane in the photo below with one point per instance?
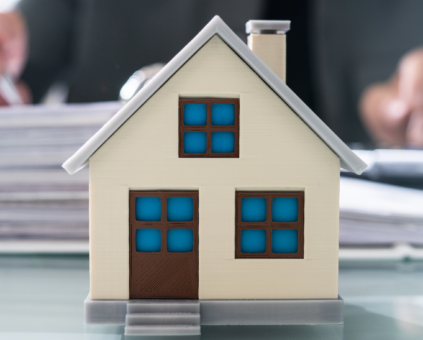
(253, 241)
(195, 114)
(253, 209)
(223, 142)
(180, 240)
(148, 240)
(180, 209)
(223, 114)
(285, 209)
(195, 142)
(148, 208)
(285, 241)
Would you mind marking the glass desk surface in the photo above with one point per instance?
(41, 297)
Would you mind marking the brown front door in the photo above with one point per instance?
(163, 244)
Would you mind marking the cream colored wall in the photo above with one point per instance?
(277, 152)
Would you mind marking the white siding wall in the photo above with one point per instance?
(277, 152)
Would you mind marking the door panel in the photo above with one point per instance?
(158, 268)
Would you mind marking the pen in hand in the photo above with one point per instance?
(8, 90)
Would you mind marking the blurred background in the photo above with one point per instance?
(68, 65)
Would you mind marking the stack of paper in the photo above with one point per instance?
(379, 214)
(38, 199)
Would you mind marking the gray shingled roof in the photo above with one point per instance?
(349, 160)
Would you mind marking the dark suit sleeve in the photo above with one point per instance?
(49, 24)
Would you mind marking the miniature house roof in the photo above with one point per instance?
(349, 160)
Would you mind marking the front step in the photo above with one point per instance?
(189, 319)
(162, 330)
(163, 306)
(163, 317)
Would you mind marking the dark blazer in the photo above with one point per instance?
(335, 47)
(96, 45)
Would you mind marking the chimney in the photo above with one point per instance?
(267, 40)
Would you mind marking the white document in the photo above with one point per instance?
(379, 214)
(370, 200)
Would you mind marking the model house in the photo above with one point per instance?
(214, 195)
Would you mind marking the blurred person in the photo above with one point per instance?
(13, 46)
(340, 53)
(393, 110)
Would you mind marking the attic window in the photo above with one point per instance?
(269, 225)
(209, 128)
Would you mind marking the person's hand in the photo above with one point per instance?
(13, 46)
(393, 111)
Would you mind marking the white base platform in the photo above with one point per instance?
(232, 312)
